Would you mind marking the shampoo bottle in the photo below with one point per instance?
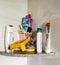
(9, 37)
(39, 40)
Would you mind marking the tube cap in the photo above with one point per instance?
(39, 29)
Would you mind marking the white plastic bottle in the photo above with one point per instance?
(48, 38)
(39, 40)
(9, 37)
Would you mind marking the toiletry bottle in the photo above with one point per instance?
(39, 40)
(9, 37)
(48, 39)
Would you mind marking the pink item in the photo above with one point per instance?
(30, 23)
(28, 16)
(30, 20)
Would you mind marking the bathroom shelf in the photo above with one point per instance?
(27, 55)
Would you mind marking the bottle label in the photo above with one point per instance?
(39, 42)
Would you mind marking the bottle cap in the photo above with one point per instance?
(39, 29)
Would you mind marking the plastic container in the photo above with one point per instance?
(9, 37)
(39, 40)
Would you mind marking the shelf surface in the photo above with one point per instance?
(28, 55)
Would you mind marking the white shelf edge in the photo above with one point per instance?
(27, 55)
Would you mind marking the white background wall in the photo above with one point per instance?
(11, 12)
(44, 11)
